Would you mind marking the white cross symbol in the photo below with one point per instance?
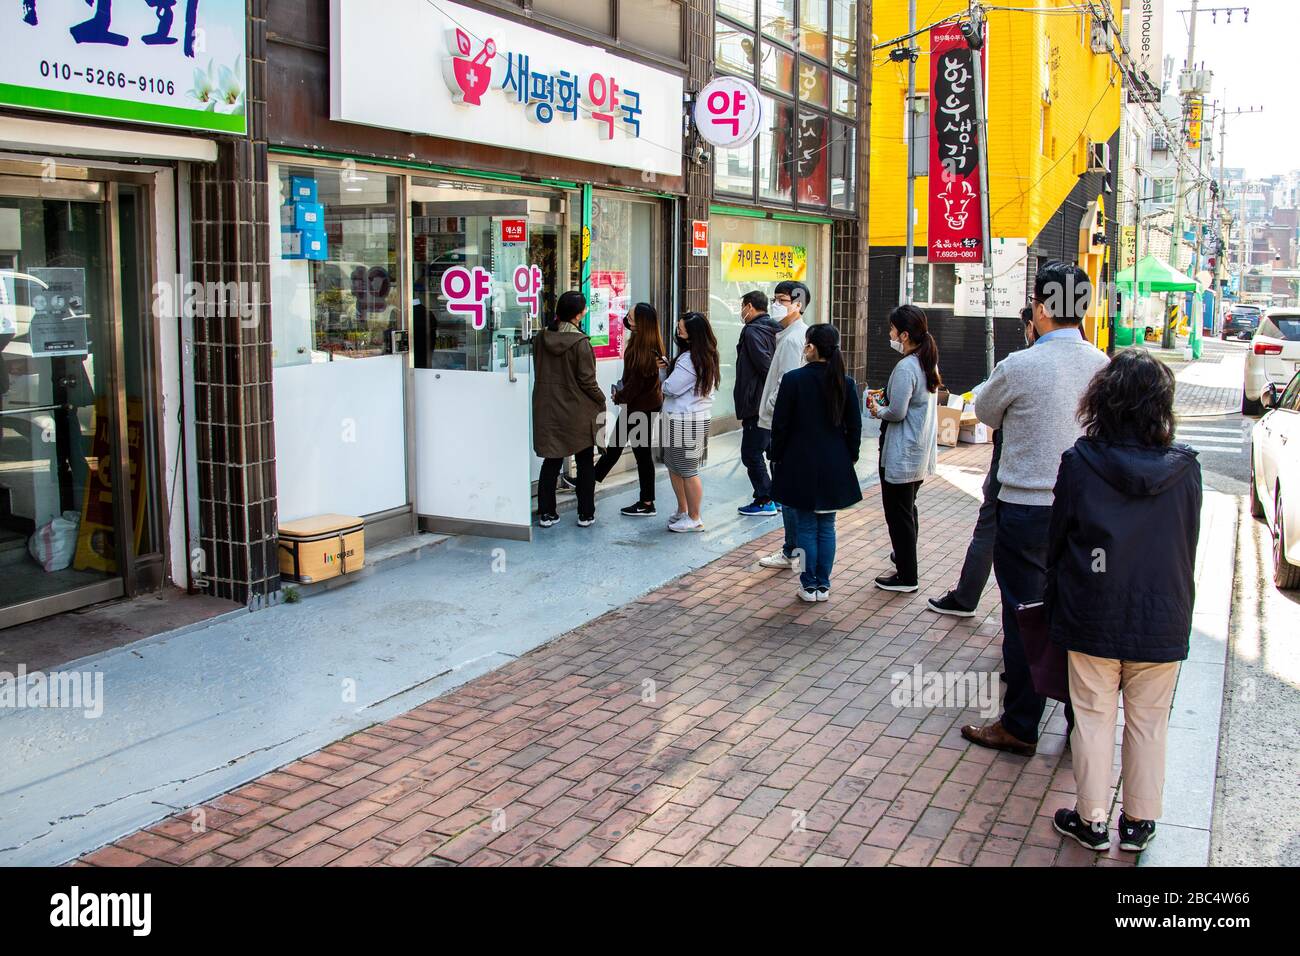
(472, 76)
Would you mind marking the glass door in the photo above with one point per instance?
(61, 544)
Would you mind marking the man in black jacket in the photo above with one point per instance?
(753, 357)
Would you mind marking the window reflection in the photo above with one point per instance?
(776, 150)
(844, 47)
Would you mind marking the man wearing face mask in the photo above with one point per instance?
(790, 301)
(753, 359)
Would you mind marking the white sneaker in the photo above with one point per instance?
(776, 560)
(809, 596)
(675, 517)
(685, 524)
(824, 595)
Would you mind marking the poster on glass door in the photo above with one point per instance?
(605, 310)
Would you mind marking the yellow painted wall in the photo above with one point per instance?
(1026, 54)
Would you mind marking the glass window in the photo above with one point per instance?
(811, 161)
(734, 50)
(845, 98)
(733, 170)
(813, 31)
(777, 70)
(843, 151)
(814, 85)
(934, 284)
(335, 276)
(654, 25)
(592, 15)
(776, 151)
(778, 19)
(844, 31)
(741, 10)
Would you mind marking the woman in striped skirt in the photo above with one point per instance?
(689, 386)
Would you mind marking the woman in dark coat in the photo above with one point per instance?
(567, 409)
(816, 433)
(1120, 590)
(642, 393)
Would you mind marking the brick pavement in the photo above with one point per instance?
(1205, 400)
(715, 721)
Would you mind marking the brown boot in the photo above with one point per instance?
(997, 737)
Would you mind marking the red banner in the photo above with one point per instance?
(954, 225)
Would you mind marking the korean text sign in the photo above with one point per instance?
(749, 262)
(472, 76)
(954, 224)
(177, 63)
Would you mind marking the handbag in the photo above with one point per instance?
(1048, 661)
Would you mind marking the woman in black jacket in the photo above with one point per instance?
(641, 391)
(1125, 619)
(816, 431)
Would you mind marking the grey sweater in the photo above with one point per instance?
(910, 450)
(1033, 396)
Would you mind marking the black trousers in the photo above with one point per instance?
(586, 484)
(645, 467)
(899, 501)
(754, 442)
(1020, 560)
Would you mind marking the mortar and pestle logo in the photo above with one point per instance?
(468, 77)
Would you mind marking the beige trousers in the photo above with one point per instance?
(1095, 687)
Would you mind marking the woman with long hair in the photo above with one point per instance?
(689, 385)
(567, 409)
(1123, 486)
(908, 451)
(641, 392)
(816, 433)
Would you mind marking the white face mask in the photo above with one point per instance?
(896, 345)
(778, 311)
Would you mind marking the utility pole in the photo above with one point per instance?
(1188, 90)
(975, 40)
(905, 294)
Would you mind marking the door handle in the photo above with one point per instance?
(510, 360)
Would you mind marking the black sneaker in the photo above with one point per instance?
(894, 582)
(586, 522)
(1093, 836)
(567, 484)
(1134, 835)
(948, 605)
(547, 520)
(639, 510)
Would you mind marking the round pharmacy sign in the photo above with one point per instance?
(728, 112)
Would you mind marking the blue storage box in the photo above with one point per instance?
(302, 215)
(302, 189)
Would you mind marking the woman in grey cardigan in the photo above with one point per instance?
(908, 452)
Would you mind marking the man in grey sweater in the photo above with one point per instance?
(1033, 397)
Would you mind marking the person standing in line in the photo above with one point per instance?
(909, 450)
(641, 394)
(1123, 486)
(816, 436)
(753, 359)
(975, 570)
(1032, 396)
(567, 409)
(790, 303)
(689, 386)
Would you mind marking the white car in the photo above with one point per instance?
(1275, 478)
(1274, 356)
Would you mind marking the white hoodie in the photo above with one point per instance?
(787, 356)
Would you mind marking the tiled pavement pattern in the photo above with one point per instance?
(1206, 400)
(717, 720)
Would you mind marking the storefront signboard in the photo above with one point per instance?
(954, 182)
(177, 63)
(1010, 260)
(699, 237)
(609, 303)
(747, 262)
(527, 281)
(468, 291)
(468, 75)
(728, 112)
(514, 231)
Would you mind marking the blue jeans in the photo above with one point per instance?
(816, 539)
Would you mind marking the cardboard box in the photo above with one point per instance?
(949, 426)
(302, 215)
(302, 189)
(320, 548)
(977, 434)
(303, 244)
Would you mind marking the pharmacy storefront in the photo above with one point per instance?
(406, 289)
(105, 111)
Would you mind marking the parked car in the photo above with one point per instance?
(1240, 322)
(1274, 356)
(1275, 478)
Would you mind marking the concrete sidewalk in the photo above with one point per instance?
(716, 720)
(190, 715)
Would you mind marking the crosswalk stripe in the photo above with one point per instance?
(1198, 439)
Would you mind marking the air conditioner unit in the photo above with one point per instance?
(1159, 144)
(1102, 41)
(1099, 157)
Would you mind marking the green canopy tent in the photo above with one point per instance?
(1153, 275)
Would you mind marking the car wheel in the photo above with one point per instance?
(1248, 407)
(1256, 506)
(1285, 574)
